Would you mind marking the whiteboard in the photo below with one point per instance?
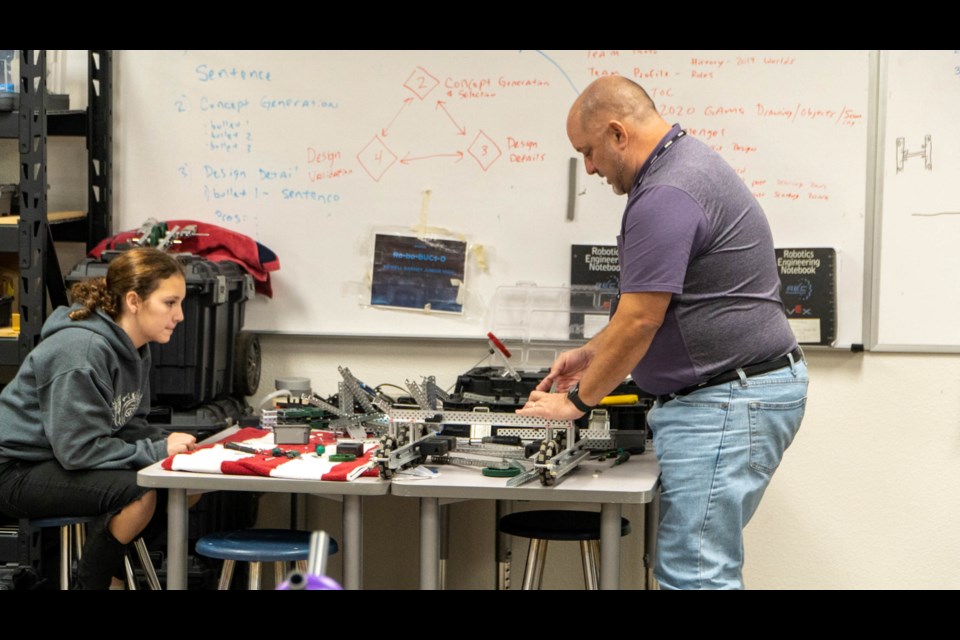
(917, 300)
(314, 152)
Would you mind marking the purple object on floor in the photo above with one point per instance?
(298, 581)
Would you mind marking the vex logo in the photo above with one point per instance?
(802, 289)
(799, 310)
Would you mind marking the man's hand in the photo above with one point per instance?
(549, 406)
(566, 370)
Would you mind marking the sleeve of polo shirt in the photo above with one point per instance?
(664, 228)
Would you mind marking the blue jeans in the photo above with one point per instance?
(718, 448)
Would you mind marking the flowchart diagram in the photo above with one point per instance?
(379, 155)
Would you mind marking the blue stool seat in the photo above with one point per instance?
(256, 546)
(71, 547)
(62, 521)
(546, 525)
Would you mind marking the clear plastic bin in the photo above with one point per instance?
(9, 70)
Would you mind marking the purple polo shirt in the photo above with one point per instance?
(692, 228)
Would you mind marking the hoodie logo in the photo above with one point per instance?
(124, 407)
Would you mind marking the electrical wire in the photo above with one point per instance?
(273, 395)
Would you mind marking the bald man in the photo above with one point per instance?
(699, 322)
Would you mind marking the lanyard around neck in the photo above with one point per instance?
(660, 152)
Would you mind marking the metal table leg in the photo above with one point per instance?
(352, 542)
(651, 524)
(610, 546)
(429, 543)
(177, 539)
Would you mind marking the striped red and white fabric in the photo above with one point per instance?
(216, 458)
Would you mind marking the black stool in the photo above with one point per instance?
(544, 526)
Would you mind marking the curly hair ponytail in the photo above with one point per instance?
(92, 294)
(139, 270)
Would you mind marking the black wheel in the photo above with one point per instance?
(246, 364)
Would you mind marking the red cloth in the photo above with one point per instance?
(215, 244)
(214, 458)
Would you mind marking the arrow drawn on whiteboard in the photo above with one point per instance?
(939, 213)
(461, 131)
(554, 63)
(407, 159)
(385, 130)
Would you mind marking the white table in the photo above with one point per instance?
(634, 482)
(179, 482)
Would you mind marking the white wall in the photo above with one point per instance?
(865, 497)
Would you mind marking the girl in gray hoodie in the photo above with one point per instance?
(73, 428)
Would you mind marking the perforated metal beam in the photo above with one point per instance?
(33, 197)
(99, 145)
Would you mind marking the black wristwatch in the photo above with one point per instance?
(574, 396)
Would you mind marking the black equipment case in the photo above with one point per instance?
(492, 387)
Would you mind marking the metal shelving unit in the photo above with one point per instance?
(34, 235)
